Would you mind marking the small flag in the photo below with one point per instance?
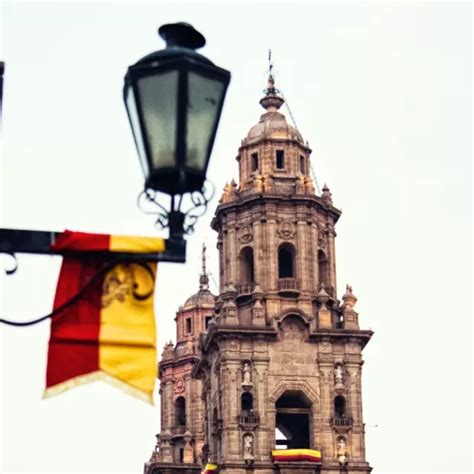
(288, 455)
(209, 469)
(109, 333)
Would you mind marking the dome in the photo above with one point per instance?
(272, 124)
(202, 297)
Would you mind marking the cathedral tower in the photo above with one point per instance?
(181, 440)
(279, 363)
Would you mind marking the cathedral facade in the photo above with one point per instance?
(273, 362)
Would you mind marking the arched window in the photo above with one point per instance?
(340, 407)
(246, 265)
(286, 261)
(180, 411)
(293, 413)
(323, 269)
(302, 166)
(254, 162)
(246, 403)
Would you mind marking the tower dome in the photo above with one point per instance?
(202, 297)
(272, 123)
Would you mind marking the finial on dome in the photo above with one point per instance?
(204, 278)
(272, 101)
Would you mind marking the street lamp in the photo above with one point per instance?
(174, 100)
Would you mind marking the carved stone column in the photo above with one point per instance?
(332, 258)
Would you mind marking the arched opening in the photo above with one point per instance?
(246, 403)
(323, 269)
(286, 261)
(293, 410)
(180, 411)
(246, 265)
(302, 165)
(254, 162)
(340, 407)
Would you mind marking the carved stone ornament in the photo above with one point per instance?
(286, 230)
(246, 375)
(179, 386)
(342, 454)
(322, 239)
(339, 375)
(245, 234)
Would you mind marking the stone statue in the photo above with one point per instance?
(248, 445)
(246, 374)
(341, 445)
(341, 451)
(339, 375)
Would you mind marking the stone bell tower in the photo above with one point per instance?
(280, 363)
(179, 448)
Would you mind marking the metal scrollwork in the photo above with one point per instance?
(147, 202)
(194, 203)
(11, 271)
(199, 200)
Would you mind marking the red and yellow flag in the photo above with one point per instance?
(209, 469)
(288, 455)
(109, 333)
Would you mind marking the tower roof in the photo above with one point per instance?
(272, 123)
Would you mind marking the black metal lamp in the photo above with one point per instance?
(174, 100)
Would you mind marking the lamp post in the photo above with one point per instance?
(174, 100)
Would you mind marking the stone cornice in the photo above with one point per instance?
(362, 336)
(243, 331)
(253, 199)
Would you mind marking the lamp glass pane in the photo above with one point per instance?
(159, 104)
(137, 134)
(204, 98)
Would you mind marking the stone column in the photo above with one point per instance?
(272, 256)
(233, 257)
(188, 398)
(326, 364)
(168, 404)
(220, 248)
(258, 259)
(262, 441)
(301, 265)
(332, 258)
(353, 384)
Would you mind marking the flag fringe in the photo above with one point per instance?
(98, 375)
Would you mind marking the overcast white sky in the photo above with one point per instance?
(382, 91)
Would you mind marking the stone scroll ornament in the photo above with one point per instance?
(245, 234)
(109, 334)
(286, 230)
(179, 386)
